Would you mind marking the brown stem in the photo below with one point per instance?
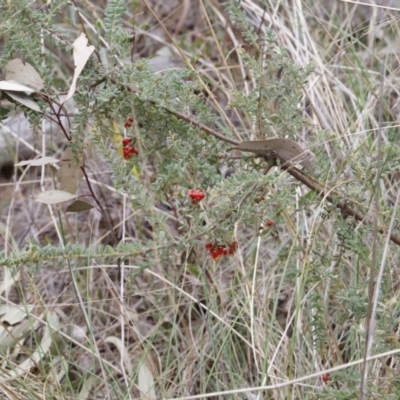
(326, 193)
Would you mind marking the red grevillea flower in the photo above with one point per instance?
(196, 195)
(217, 250)
(326, 378)
(232, 248)
(128, 123)
(126, 141)
(128, 149)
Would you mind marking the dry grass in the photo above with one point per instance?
(192, 326)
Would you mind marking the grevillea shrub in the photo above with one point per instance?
(178, 264)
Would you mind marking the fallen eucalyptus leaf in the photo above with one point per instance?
(38, 162)
(21, 80)
(146, 382)
(15, 87)
(69, 173)
(23, 73)
(82, 53)
(53, 197)
(12, 315)
(285, 149)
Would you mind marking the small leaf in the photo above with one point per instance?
(109, 249)
(23, 73)
(82, 52)
(38, 162)
(53, 197)
(69, 173)
(79, 205)
(287, 150)
(24, 99)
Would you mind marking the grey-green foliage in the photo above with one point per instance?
(24, 37)
(115, 35)
(239, 18)
(175, 156)
(181, 155)
(274, 102)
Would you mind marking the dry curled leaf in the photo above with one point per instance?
(15, 87)
(23, 73)
(82, 53)
(69, 173)
(285, 149)
(21, 80)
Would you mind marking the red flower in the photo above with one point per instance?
(126, 142)
(128, 150)
(232, 248)
(217, 253)
(325, 378)
(128, 123)
(217, 250)
(269, 223)
(196, 195)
